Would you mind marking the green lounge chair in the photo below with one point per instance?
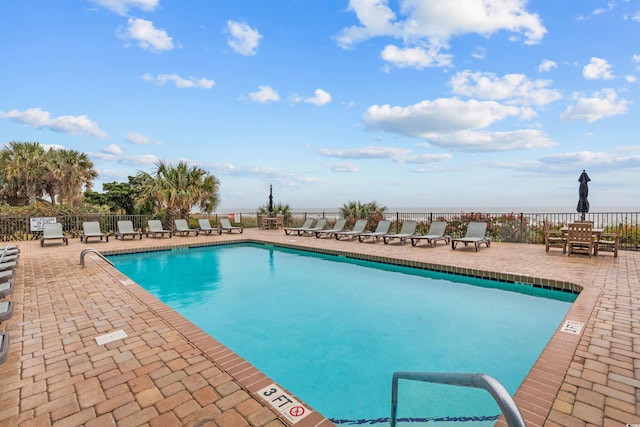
(407, 230)
(435, 233)
(382, 229)
(225, 225)
(125, 228)
(358, 228)
(308, 223)
(182, 228)
(319, 226)
(205, 227)
(156, 229)
(476, 234)
(92, 229)
(339, 226)
(53, 231)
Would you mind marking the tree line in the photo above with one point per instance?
(33, 174)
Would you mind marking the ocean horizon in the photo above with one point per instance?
(521, 209)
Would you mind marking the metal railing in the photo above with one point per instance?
(508, 407)
(95, 251)
(502, 227)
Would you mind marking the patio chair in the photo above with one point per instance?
(182, 228)
(358, 228)
(6, 288)
(53, 231)
(6, 310)
(125, 228)
(382, 229)
(554, 238)
(279, 221)
(155, 229)
(10, 250)
(206, 228)
(338, 226)
(476, 234)
(407, 230)
(608, 242)
(92, 229)
(4, 346)
(308, 223)
(319, 226)
(225, 225)
(263, 222)
(8, 265)
(437, 230)
(580, 238)
(7, 275)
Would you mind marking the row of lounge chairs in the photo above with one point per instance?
(475, 234)
(91, 229)
(9, 255)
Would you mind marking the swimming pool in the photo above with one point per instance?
(333, 330)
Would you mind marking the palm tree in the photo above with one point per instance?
(23, 166)
(358, 209)
(75, 172)
(177, 189)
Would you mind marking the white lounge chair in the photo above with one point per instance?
(382, 229)
(338, 226)
(225, 225)
(92, 229)
(125, 228)
(155, 229)
(407, 230)
(182, 228)
(205, 227)
(308, 224)
(476, 234)
(358, 228)
(53, 231)
(436, 232)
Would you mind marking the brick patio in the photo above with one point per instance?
(167, 372)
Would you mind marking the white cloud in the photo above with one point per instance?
(138, 160)
(472, 141)
(140, 139)
(547, 65)
(396, 155)
(112, 149)
(604, 103)
(38, 118)
(264, 94)
(629, 78)
(320, 98)
(180, 82)
(456, 125)
(598, 68)
(344, 167)
(440, 115)
(244, 39)
(479, 53)
(121, 7)
(514, 87)
(433, 23)
(591, 159)
(147, 36)
(416, 57)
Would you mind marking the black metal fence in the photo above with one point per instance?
(502, 227)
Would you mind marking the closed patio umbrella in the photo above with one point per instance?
(583, 193)
(270, 198)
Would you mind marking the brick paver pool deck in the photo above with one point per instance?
(167, 372)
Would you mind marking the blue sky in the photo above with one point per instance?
(411, 103)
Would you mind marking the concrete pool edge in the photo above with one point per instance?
(536, 395)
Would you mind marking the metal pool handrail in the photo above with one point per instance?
(500, 394)
(86, 251)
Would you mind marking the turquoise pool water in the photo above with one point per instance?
(333, 330)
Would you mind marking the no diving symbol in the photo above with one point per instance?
(296, 411)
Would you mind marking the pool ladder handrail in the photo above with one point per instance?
(86, 251)
(511, 413)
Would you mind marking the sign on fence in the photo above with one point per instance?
(37, 224)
